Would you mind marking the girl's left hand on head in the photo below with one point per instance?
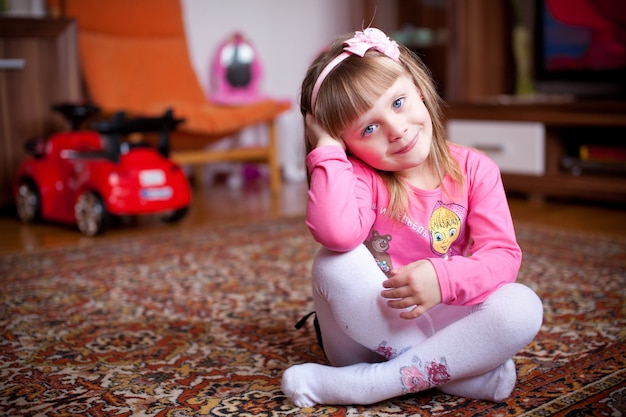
(317, 136)
(415, 284)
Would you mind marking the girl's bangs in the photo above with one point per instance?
(353, 89)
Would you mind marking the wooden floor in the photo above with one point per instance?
(219, 205)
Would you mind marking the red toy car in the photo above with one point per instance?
(83, 177)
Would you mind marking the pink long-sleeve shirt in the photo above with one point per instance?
(467, 234)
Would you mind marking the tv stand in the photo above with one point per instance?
(569, 126)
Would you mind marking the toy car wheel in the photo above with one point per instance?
(90, 213)
(28, 201)
(175, 215)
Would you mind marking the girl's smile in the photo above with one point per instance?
(408, 147)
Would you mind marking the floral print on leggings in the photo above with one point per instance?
(419, 377)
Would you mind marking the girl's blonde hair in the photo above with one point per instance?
(353, 87)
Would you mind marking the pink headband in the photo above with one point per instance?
(358, 45)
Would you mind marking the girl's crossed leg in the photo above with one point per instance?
(376, 355)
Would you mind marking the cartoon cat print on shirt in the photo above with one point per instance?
(446, 227)
(378, 245)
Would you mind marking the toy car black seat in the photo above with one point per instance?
(119, 126)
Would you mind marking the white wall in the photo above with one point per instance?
(287, 34)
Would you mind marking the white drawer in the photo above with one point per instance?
(517, 147)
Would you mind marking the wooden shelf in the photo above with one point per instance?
(586, 187)
(550, 113)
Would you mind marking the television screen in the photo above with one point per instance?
(583, 41)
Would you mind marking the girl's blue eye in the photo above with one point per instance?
(398, 103)
(369, 130)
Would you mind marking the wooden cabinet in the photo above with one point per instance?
(569, 127)
(480, 87)
(38, 67)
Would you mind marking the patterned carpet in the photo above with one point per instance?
(201, 323)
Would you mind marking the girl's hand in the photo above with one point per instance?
(317, 136)
(415, 284)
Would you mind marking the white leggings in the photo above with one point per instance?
(453, 348)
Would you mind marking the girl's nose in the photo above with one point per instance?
(396, 133)
(397, 127)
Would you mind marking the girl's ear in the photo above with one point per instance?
(422, 97)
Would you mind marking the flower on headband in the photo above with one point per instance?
(358, 45)
(372, 38)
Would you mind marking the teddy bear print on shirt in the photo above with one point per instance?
(378, 245)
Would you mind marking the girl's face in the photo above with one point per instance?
(395, 134)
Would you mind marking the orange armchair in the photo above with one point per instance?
(134, 58)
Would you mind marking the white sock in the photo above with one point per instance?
(309, 384)
(495, 385)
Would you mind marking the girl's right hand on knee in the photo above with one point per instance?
(415, 284)
(317, 136)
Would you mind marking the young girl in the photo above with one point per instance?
(414, 287)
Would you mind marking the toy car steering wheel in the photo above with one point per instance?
(76, 114)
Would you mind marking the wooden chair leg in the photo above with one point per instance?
(198, 175)
(275, 176)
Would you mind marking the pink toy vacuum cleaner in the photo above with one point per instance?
(236, 72)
